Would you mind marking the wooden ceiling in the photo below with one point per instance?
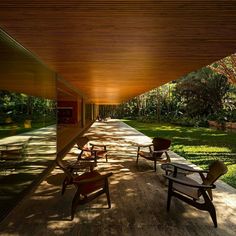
(113, 50)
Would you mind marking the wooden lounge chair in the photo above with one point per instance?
(72, 169)
(192, 192)
(89, 185)
(89, 151)
(158, 147)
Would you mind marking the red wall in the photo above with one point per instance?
(67, 117)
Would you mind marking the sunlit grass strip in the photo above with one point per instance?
(203, 149)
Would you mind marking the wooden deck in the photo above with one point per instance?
(138, 197)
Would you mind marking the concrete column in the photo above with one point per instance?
(92, 111)
(83, 113)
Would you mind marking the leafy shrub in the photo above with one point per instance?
(190, 121)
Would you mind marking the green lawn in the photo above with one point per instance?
(199, 145)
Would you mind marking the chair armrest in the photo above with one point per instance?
(89, 150)
(98, 145)
(75, 165)
(160, 151)
(144, 145)
(91, 180)
(13, 145)
(186, 168)
(179, 181)
(79, 166)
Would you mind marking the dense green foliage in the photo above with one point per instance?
(191, 101)
(199, 145)
(227, 67)
(202, 93)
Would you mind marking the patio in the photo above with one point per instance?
(138, 197)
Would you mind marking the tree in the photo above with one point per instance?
(202, 92)
(226, 67)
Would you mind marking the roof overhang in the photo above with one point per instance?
(114, 50)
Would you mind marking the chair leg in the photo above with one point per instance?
(212, 212)
(137, 155)
(105, 149)
(74, 204)
(210, 207)
(107, 194)
(169, 195)
(167, 157)
(210, 194)
(155, 165)
(64, 184)
(95, 160)
(80, 155)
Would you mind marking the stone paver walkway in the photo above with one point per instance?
(138, 197)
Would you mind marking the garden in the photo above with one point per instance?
(197, 112)
(197, 144)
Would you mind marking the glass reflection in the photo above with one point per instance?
(27, 121)
(27, 143)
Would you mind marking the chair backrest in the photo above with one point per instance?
(216, 169)
(81, 142)
(161, 143)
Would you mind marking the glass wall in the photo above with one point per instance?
(69, 115)
(27, 122)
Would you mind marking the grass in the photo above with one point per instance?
(199, 145)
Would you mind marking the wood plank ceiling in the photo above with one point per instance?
(113, 50)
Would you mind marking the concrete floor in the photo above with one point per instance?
(138, 197)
